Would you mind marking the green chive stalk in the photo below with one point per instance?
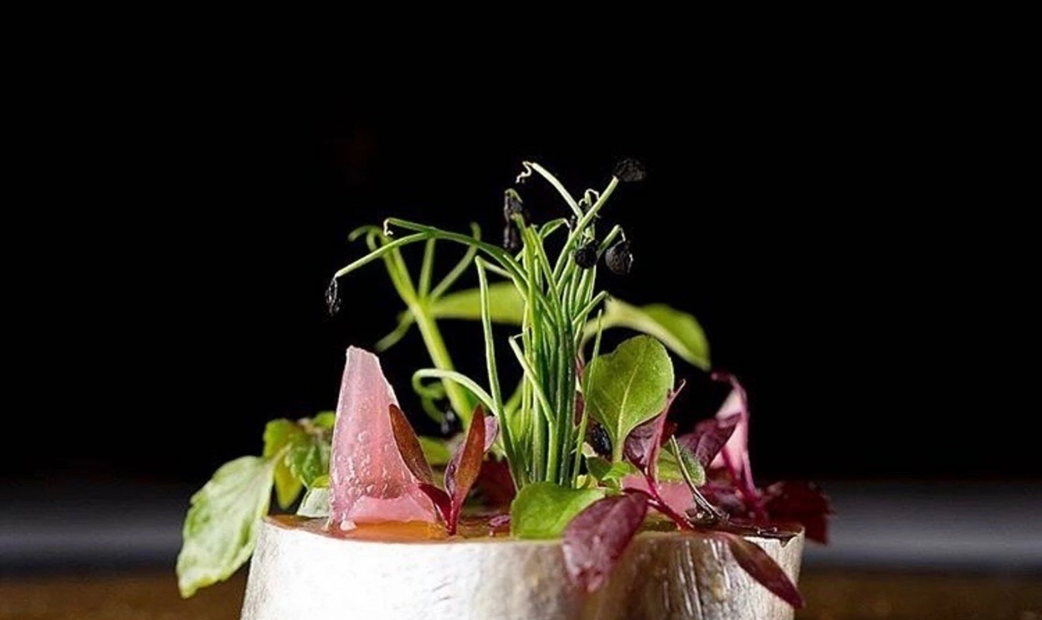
(542, 435)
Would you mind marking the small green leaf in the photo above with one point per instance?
(668, 469)
(608, 473)
(436, 451)
(279, 436)
(506, 305)
(322, 482)
(677, 330)
(308, 459)
(220, 529)
(324, 420)
(315, 502)
(544, 509)
(628, 387)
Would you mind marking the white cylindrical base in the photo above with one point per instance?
(300, 575)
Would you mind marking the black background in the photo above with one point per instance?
(844, 241)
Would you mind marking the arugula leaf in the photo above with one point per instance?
(544, 509)
(278, 435)
(220, 529)
(677, 330)
(628, 387)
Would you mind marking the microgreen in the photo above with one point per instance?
(463, 467)
(582, 448)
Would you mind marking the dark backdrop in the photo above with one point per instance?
(840, 244)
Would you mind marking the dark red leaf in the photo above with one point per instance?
(440, 499)
(409, 446)
(643, 443)
(708, 438)
(495, 484)
(801, 502)
(463, 467)
(762, 568)
(597, 536)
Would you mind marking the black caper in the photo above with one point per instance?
(598, 438)
(586, 255)
(630, 171)
(619, 258)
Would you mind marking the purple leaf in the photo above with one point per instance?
(708, 438)
(439, 498)
(643, 443)
(597, 536)
(409, 446)
(801, 502)
(735, 453)
(465, 464)
(762, 568)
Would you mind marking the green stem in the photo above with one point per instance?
(442, 361)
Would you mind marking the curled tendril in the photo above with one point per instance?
(527, 172)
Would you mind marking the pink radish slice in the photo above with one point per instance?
(369, 480)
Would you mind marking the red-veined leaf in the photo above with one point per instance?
(597, 536)
(440, 499)
(801, 502)
(465, 464)
(762, 568)
(708, 438)
(643, 443)
(409, 446)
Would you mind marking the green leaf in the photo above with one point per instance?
(324, 420)
(220, 529)
(608, 473)
(628, 387)
(668, 470)
(677, 330)
(315, 503)
(435, 450)
(308, 458)
(280, 435)
(506, 305)
(544, 509)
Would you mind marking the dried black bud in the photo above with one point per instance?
(630, 171)
(573, 221)
(598, 438)
(333, 298)
(586, 255)
(512, 204)
(511, 238)
(619, 258)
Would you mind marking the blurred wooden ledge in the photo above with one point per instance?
(832, 594)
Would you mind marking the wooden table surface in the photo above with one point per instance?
(830, 594)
